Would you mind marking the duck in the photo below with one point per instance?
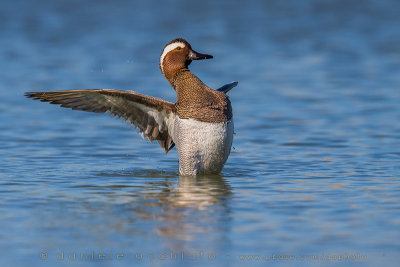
(200, 123)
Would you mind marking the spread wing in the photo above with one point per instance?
(153, 117)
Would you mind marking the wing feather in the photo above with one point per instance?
(151, 115)
(227, 87)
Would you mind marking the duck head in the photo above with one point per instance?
(177, 55)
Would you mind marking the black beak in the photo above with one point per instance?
(193, 55)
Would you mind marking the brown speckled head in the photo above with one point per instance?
(177, 55)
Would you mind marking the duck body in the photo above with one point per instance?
(203, 131)
(199, 124)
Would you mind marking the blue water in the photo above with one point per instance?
(314, 175)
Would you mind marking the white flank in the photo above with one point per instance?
(168, 49)
(203, 147)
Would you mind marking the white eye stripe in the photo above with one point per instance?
(168, 49)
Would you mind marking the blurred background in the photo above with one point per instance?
(315, 166)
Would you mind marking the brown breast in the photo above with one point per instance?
(198, 101)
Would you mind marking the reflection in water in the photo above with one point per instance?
(190, 208)
(180, 209)
(199, 192)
